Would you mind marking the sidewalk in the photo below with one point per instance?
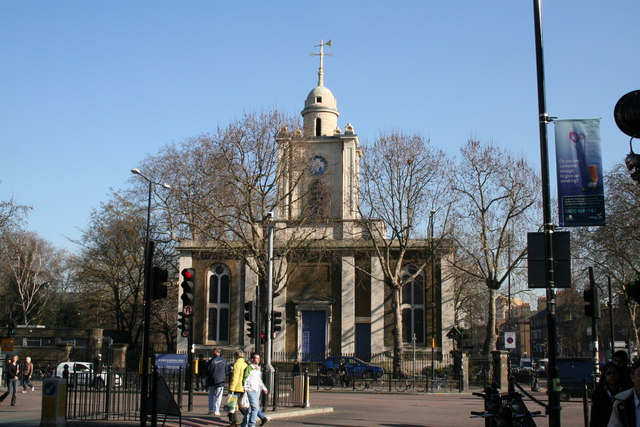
(29, 406)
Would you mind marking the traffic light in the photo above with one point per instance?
(250, 318)
(633, 165)
(276, 321)
(188, 290)
(184, 325)
(159, 277)
(592, 302)
(11, 329)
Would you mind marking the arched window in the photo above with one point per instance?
(218, 304)
(319, 199)
(318, 126)
(413, 296)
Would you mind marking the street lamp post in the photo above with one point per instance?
(553, 381)
(148, 254)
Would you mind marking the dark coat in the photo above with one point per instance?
(12, 371)
(216, 371)
(601, 407)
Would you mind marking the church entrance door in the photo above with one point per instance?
(314, 336)
(363, 341)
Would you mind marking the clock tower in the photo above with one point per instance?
(329, 190)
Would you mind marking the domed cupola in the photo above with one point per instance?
(320, 114)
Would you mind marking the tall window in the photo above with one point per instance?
(218, 304)
(318, 127)
(319, 199)
(413, 296)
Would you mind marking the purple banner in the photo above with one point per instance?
(579, 173)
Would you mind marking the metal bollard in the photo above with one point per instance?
(585, 404)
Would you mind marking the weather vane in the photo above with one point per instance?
(321, 55)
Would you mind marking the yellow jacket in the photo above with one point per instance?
(237, 383)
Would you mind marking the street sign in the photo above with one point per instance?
(509, 340)
(627, 113)
(187, 310)
(561, 260)
(7, 344)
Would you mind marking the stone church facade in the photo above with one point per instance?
(335, 300)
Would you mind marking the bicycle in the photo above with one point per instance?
(439, 384)
(415, 382)
(332, 379)
(364, 383)
(329, 379)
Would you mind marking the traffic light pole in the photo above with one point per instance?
(553, 381)
(144, 389)
(594, 325)
(268, 351)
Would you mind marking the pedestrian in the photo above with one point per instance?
(253, 385)
(237, 386)
(216, 375)
(621, 359)
(342, 373)
(27, 372)
(624, 406)
(5, 381)
(12, 375)
(603, 394)
(297, 368)
(65, 374)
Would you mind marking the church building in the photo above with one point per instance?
(335, 300)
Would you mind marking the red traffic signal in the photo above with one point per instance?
(188, 286)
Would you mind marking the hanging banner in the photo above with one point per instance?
(579, 173)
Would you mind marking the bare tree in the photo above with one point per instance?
(496, 197)
(11, 214)
(613, 249)
(403, 178)
(110, 267)
(224, 184)
(32, 269)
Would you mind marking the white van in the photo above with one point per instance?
(84, 370)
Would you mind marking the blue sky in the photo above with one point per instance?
(89, 88)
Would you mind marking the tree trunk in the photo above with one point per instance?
(491, 338)
(397, 331)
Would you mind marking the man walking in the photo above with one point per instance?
(216, 371)
(253, 385)
(27, 372)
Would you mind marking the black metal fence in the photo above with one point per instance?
(116, 396)
(412, 363)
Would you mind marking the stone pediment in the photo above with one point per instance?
(313, 299)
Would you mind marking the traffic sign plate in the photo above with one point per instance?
(187, 310)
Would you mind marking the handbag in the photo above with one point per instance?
(232, 402)
(244, 402)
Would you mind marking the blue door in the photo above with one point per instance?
(313, 335)
(363, 341)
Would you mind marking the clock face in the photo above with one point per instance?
(317, 165)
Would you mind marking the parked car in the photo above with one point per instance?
(354, 367)
(86, 374)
